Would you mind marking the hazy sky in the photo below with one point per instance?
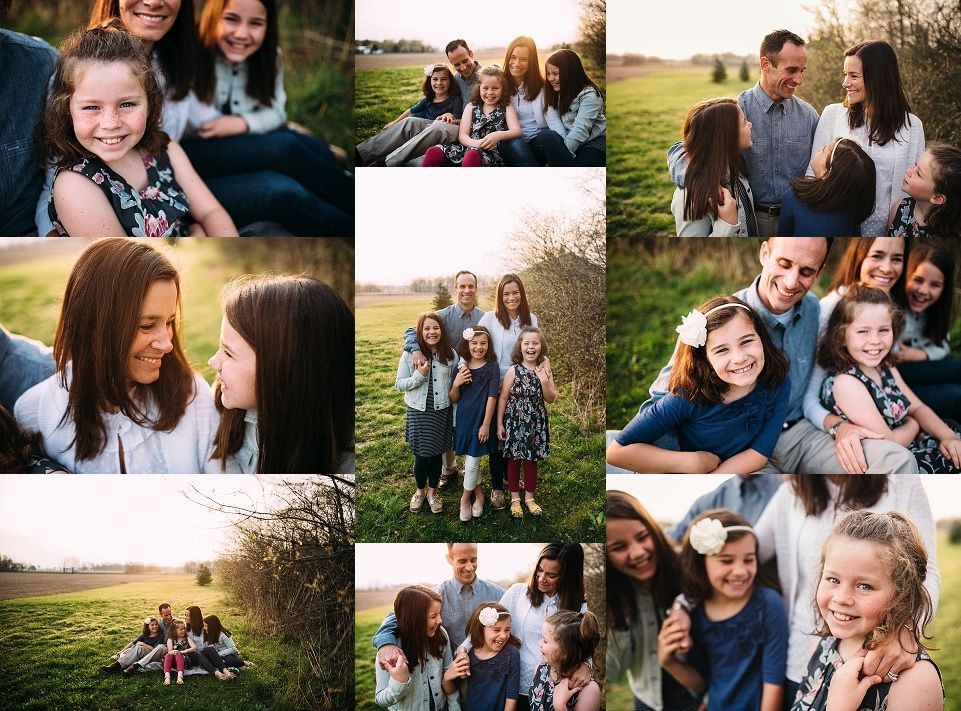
(409, 563)
(421, 226)
(669, 496)
(548, 22)
(111, 518)
(677, 29)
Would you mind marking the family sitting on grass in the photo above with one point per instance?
(193, 645)
(495, 116)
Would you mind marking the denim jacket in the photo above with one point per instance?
(414, 385)
(584, 120)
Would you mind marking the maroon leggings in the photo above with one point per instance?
(435, 158)
(169, 659)
(514, 475)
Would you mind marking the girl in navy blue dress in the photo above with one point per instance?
(495, 659)
(739, 627)
(475, 391)
(836, 199)
(728, 394)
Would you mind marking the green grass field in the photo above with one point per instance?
(366, 623)
(946, 630)
(570, 482)
(645, 116)
(52, 647)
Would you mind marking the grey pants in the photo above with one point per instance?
(407, 140)
(141, 654)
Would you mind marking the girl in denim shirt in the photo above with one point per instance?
(430, 422)
(578, 100)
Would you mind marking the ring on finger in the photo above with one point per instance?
(892, 676)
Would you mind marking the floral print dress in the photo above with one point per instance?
(893, 406)
(525, 418)
(812, 694)
(481, 126)
(159, 210)
(904, 224)
(542, 691)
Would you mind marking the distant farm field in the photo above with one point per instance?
(645, 115)
(53, 646)
(570, 481)
(14, 585)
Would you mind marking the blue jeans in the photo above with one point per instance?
(519, 153)
(549, 143)
(937, 383)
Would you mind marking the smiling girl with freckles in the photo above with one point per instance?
(124, 398)
(728, 394)
(495, 659)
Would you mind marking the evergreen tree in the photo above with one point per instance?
(441, 298)
(719, 73)
(203, 575)
(745, 74)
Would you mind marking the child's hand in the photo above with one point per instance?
(223, 126)
(487, 143)
(458, 669)
(580, 678)
(463, 375)
(424, 368)
(544, 373)
(398, 670)
(951, 448)
(388, 655)
(726, 207)
(562, 692)
(847, 690)
(671, 639)
(418, 358)
(446, 118)
(704, 462)
(483, 434)
(501, 432)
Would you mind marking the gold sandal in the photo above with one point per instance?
(516, 510)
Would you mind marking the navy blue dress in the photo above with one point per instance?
(469, 416)
(800, 220)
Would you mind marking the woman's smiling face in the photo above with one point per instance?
(150, 20)
(154, 336)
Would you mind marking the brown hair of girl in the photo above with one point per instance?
(302, 332)
(693, 377)
(79, 52)
(854, 492)
(577, 635)
(900, 546)
(463, 347)
(475, 629)
(215, 628)
(832, 354)
(491, 70)
(712, 142)
(444, 352)
(500, 311)
(453, 86)
(848, 183)
(573, 80)
(937, 317)
(517, 356)
(533, 81)
(570, 583)
(98, 322)
(411, 606)
(944, 219)
(621, 591)
(261, 65)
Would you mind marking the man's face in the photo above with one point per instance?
(463, 61)
(167, 615)
(781, 81)
(466, 290)
(463, 560)
(789, 267)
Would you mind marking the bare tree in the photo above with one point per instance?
(593, 27)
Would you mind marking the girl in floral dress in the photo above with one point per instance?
(568, 639)
(522, 416)
(117, 172)
(488, 119)
(870, 592)
(865, 388)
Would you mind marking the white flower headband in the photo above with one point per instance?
(431, 68)
(693, 328)
(709, 535)
(488, 616)
(467, 333)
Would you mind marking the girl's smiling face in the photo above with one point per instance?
(631, 549)
(869, 337)
(530, 347)
(440, 83)
(884, 263)
(491, 91)
(511, 297)
(731, 572)
(924, 287)
(155, 329)
(548, 644)
(553, 76)
(518, 62)
(496, 636)
(236, 364)
(478, 346)
(154, 627)
(919, 180)
(854, 589)
(241, 29)
(431, 331)
(433, 618)
(735, 351)
(108, 109)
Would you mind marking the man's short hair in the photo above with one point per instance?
(772, 44)
(451, 46)
(465, 271)
(161, 606)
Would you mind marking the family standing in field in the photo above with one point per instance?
(469, 644)
(513, 115)
(118, 395)
(839, 623)
(193, 645)
(152, 127)
(771, 380)
(766, 164)
(485, 398)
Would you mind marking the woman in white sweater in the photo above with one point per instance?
(876, 114)
(124, 398)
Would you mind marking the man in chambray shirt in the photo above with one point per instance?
(459, 596)
(782, 128)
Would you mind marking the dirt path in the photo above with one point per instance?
(14, 585)
(619, 72)
(365, 600)
(364, 62)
